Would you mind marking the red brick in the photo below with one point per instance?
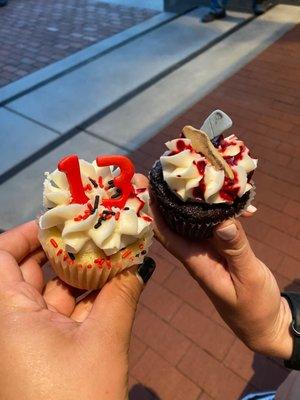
(255, 228)
(164, 266)
(262, 372)
(287, 284)
(277, 219)
(137, 349)
(267, 254)
(283, 242)
(289, 149)
(183, 285)
(203, 331)
(205, 396)
(289, 268)
(211, 375)
(293, 208)
(266, 196)
(279, 172)
(160, 300)
(160, 336)
(166, 381)
(277, 186)
(137, 391)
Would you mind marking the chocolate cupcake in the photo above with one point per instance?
(203, 178)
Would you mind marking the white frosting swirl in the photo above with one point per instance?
(192, 177)
(78, 223)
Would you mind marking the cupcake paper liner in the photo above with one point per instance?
(195, 230)
(85, 274)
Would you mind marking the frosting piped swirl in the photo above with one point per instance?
(192, 177)
(109, 229)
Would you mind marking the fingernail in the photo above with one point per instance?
(146, 269)
(227, 233)
(251, 209)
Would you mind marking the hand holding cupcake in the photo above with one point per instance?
(97, 221)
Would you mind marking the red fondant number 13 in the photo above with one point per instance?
(70, 166)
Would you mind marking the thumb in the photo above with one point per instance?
(114, 308)
(232, 243)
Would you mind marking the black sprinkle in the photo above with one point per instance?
(111, 183)
(106, 212)
(143, 252)
(113, 213)
(126, 208)
(98, 224)
(49, 208)
(137, 255)
(96, 204)
(114, 196)
(93, 182)
(71, 255)
(118, 190)
(178, 176)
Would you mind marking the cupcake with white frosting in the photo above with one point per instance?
(203, 178)
(96, 222)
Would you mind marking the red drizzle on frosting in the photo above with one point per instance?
(230, 188)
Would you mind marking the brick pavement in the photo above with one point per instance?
(36, 33)
(181, 348)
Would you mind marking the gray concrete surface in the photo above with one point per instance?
(72, 99)
(140, 118)
(17, 88)
(20, 138)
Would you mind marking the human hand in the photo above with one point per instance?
(242, 288)
(53, 347)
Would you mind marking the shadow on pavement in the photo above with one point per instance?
(141, 392)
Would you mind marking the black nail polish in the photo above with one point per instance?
(146, 269)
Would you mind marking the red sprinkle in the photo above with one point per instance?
(87, 187)
(79, 265)
(59, 252)
(90, 207)
(126, 254)
(65, 257)
(108, 262)
(141, 246)
(54, 244)
(79, 218)
(99, 261)
(117, 216)
(100, 182)
(89, 266)
(146, 218)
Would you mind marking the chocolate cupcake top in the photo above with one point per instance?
(92, 207)
(197, 169)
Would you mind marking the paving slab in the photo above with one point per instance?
(38, 78)
(21, 196)
(74, 98)
(20, 138)
(140, 118)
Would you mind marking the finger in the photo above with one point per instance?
(84, 307)
(114, 308)
(20, 241)
(60, 297)
(32, 271)
(232, 243)
(249, 212)
(141, 181)
(9, 268)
